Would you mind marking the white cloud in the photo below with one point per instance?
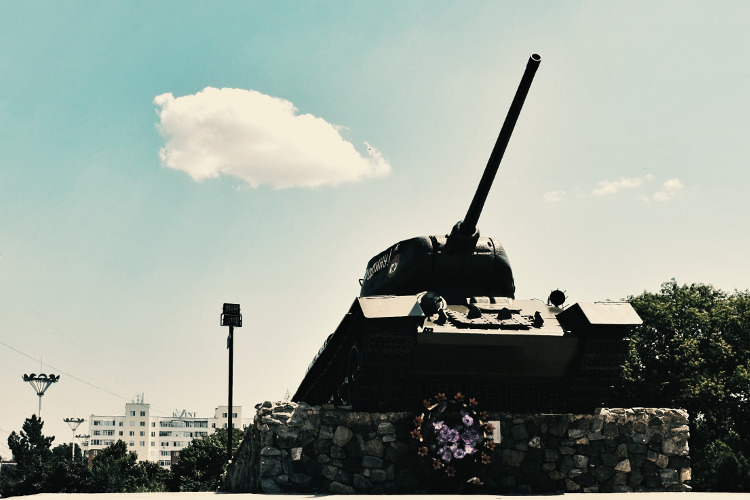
(670, 189)
(553, 196)
(259, 139)
(612, 187)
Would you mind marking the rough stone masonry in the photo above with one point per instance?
(323, 449)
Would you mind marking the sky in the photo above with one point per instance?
(158, 159)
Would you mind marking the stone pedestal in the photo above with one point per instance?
(322, 449)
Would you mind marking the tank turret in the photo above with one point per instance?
(461, 264)
(439, 314)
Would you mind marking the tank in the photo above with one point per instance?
(438, 314)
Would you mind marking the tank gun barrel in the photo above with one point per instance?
(469, 225)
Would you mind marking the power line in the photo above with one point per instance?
(61, 334)
(156, 408)
(63, 372)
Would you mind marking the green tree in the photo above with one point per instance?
(117, 470)
(153, 477)
(31, 449)
(693, 352)
(62, 452)
(68, 476)
(203, 461)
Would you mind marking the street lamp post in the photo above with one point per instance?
(73, 423)
(40, 383)
(84, 439)
(231, 317)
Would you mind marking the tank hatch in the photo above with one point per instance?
(485, 315)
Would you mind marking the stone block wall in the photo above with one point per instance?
(322, 449)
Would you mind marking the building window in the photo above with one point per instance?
(153, 443)
(132, 433)
(120, 424)
(234, 415)
(108, 432)
(96, 442)
(153, 424)
(132, 413)
(119, 433)
(164, 463)
(143, 433)
(143, 424)
(97, 433)
(97, 422)
(143, 443)
(223, 415)
(213, 425)
(143, 413)
(132, 443)
(153, 434)
(132, 424)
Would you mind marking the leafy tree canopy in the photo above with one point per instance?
(693, 352)
(31, 448)
(203, 461)
(117, 470)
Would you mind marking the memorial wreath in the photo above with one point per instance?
(453, 436)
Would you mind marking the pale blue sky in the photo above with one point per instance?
(628, 166)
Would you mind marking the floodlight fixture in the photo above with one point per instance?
(73, 423)
(84, 439)
(230, 315)
(40, 383)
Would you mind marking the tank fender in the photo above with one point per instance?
(390, 306)
(586, 316)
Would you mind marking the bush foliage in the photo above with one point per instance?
(40, 469)
(693, 352)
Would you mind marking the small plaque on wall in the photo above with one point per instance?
(497, 436)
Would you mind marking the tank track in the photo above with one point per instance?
(384, 349)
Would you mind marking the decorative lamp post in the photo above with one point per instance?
(40, 383)
(231, 317)
(73, 423)
(84, 438)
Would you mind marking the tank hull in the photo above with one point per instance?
(388, 355)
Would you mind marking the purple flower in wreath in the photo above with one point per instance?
(444, 434)
(450, 435)
(470, 437)
(452, 432)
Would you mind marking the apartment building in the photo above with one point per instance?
(157, 438)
